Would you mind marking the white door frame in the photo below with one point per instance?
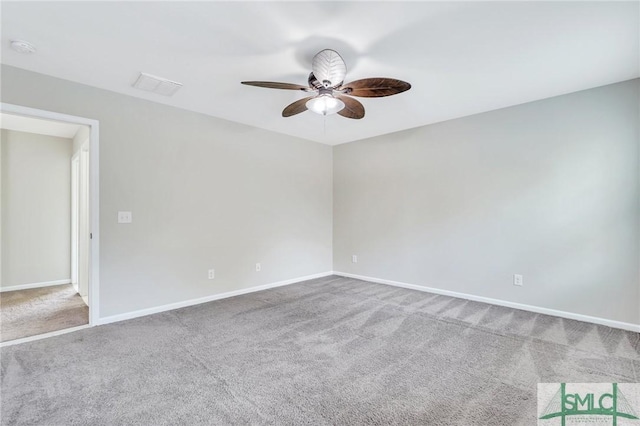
(84, 229)
(94, 197)
(75, 203)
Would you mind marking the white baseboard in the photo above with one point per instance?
(43, 336)
(530, 308)
(191, 302)
(35, 285)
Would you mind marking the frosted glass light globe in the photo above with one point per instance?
(325, 104)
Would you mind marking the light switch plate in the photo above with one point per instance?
(125, 217)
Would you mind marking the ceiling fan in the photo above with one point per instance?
(330, 95)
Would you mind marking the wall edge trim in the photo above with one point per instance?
(44, 335)
(191, 302)
(499, 302)
(35, 285)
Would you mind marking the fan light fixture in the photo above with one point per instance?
(329, 94)
(325, 105)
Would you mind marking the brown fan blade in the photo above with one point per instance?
(274, 85)
(297, 107)
(375, 87)
(352, 107)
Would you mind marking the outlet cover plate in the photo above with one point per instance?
(125, 217)
(518, 280)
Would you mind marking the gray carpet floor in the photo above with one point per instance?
(330, 351)
(25, 313)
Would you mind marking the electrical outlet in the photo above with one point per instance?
(354, 258)
(518, 280)
(258, 267)
(212, 274)
(125, 217)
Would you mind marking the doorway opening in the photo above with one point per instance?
(48, 223)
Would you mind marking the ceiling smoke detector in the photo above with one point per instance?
(159, 85)
(22, 46)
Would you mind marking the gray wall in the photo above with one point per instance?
(36, 208)
(204, 192)
(548, 189)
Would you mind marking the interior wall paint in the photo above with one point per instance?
(548, 189)
(204, 192)
(36, 180)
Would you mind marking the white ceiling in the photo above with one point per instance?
(462, 58)
(38, 125)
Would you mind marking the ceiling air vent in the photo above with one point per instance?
(159, 85)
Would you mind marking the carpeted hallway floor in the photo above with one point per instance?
(324, 352)
(25, 313)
